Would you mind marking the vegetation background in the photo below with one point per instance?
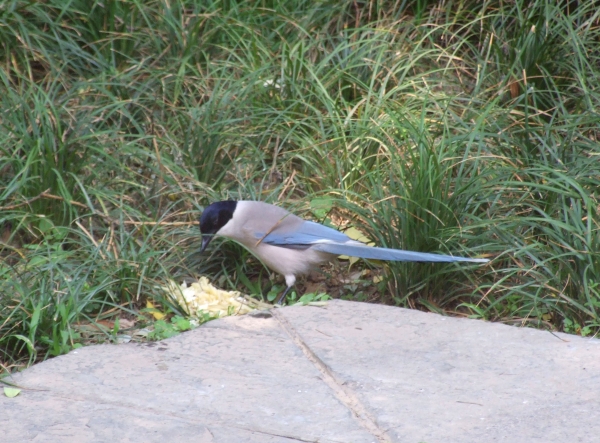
(454, 126)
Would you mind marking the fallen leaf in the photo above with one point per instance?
(125, 323)
(108, 324)
(141, 332)
(96, 326)
(358, 235)
(11, 392)
(123, 338)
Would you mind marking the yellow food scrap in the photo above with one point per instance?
(201, 296)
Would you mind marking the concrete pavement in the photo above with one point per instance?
(348, 372)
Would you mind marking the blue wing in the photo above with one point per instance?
(305, 234)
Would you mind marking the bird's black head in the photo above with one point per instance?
(214, 217)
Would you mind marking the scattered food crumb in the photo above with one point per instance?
(202, 297)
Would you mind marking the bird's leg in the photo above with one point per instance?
(282, 296)
(290, 281)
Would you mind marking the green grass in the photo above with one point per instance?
(458, 127)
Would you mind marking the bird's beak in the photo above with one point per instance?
(206, 239)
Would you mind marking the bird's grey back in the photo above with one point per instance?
(254, 217)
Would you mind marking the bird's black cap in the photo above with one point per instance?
(214, 217)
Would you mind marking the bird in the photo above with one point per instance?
(290, 245)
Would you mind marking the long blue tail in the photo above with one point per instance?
(373, 253)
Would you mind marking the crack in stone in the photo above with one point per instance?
(346, 396)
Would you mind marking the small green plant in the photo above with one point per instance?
(357, 290)
(572, 327)
(277, 290)
(165, 329)
(312, 297)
